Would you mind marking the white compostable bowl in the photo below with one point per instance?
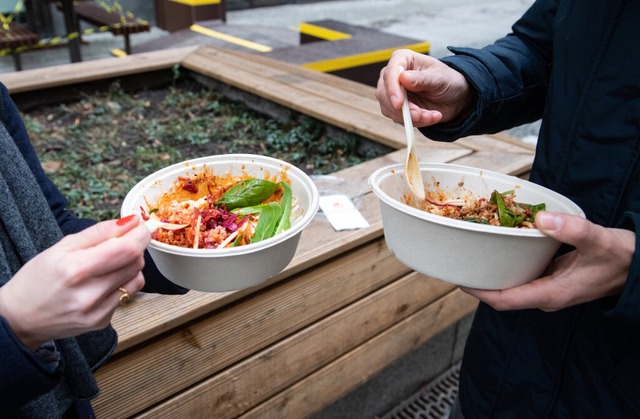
(219, 270)
(460, 252)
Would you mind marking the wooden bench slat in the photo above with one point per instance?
(281, 365)
(354, 368)
(87, 71)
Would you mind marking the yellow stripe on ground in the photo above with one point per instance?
(366, 58)
(117, 52)
(194, 3)
(231, 39)
(322, 33)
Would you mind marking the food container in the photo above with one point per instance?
(218, 270)
(460, 252)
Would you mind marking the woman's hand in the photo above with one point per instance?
(598, 267)
(437, 93)
(72, 287)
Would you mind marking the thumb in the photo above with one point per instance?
(566, 228)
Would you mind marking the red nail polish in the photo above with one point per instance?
(125, 220)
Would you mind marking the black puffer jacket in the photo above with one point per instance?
(576, 65)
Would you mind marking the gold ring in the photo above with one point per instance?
(124, 298)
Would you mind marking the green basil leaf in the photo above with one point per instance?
(247, 193)
(255, 209)
(533, 209)
(269, 216)
(286, 203)
(507, 217)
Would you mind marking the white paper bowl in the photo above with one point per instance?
(218, 270)
(460, 252)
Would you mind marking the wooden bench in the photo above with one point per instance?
(350, 51)
(342, 310)
(118, 22)
(14, 38)
(175, 15)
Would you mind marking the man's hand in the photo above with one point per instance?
(437, 93)
(598, 267)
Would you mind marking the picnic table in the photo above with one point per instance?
(342, 310)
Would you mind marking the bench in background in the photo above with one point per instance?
(349, 51)
(15, 37)
(118, 22)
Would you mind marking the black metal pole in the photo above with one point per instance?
(71, 24)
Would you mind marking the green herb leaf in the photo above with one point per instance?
(269, 216)
(507, 217)
(534, 209)
(476, 220)
(285, 203)
(255, 209)
(247, 193)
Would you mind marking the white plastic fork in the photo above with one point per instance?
(153, 224)
(411, 165)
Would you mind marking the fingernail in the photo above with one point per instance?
(549, 221)
(126, 220)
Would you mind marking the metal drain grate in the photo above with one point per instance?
(432, 402)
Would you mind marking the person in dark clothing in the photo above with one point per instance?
(566, 345)
(61, 279)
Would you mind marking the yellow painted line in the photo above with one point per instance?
(194, 3)
(357, 60)
(322, 33)
(231, 39)
(118, 52)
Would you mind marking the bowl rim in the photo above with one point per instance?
(244, 158)
(398, 169)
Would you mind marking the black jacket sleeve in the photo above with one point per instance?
(510, 77)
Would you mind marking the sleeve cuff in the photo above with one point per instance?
(26, 374)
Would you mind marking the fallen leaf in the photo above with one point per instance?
(52, 166)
